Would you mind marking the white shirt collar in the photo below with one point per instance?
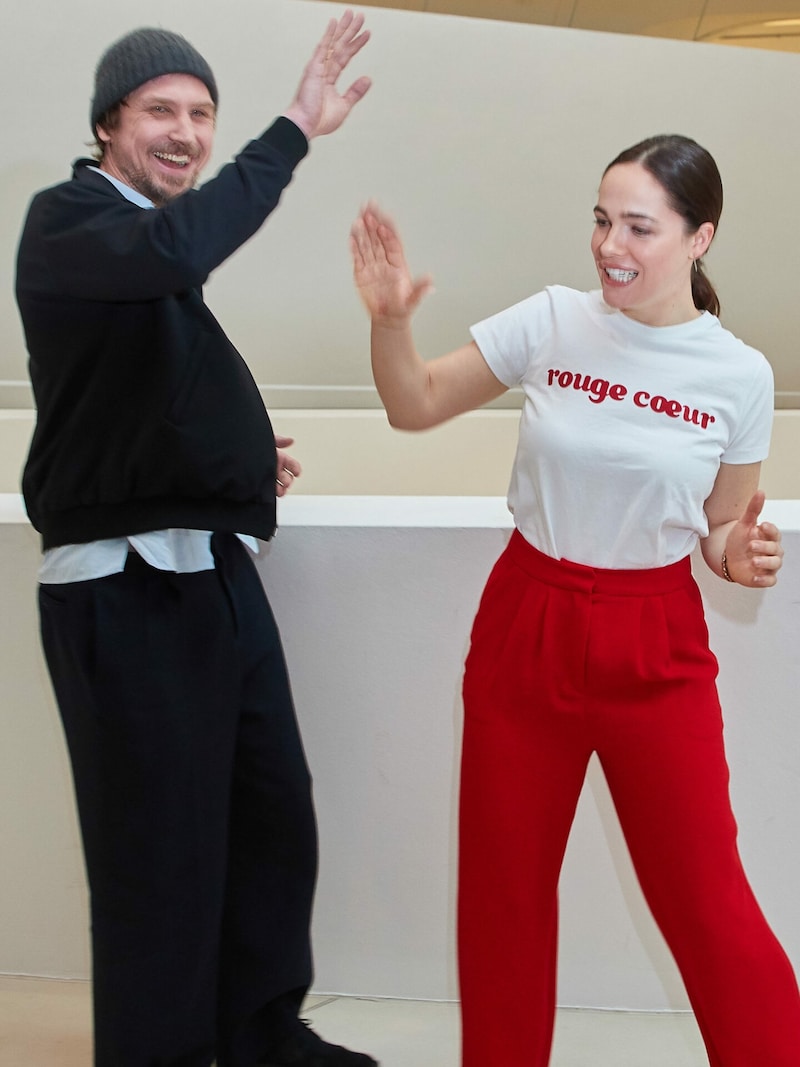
(133, 195)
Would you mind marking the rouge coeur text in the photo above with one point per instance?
(598, 390)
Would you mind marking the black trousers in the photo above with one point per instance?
(194, 800)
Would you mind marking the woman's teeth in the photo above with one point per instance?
(621, 275)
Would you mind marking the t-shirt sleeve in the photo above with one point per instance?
(750, 440)
(509, 339)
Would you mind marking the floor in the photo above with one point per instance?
(46, 1023)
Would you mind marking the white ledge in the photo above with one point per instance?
(406, 511)
(11, 508)
(359, 511)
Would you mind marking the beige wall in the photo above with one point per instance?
(486, 139)
(357, 452)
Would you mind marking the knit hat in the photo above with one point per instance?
(139, 56)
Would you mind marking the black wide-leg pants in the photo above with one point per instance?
(194, 800)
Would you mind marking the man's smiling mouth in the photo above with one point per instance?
(171, 157)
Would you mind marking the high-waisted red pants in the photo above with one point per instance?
(567, 660)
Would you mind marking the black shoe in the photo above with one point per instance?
(304, 1048)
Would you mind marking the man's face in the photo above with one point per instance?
(163, 139)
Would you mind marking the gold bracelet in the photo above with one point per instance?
(726, 574)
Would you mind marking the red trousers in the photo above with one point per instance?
(567, 660)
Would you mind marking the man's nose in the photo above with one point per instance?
(182, 128)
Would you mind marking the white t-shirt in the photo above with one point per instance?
(624, 426)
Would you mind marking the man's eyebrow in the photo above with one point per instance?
(158, 98)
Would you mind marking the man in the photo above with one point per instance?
(152, 460)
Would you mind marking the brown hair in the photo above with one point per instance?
(109, 120)
(689, 177)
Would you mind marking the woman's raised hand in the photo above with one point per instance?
(385, 284)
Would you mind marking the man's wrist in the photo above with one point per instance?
(300, 119)
(286, 137)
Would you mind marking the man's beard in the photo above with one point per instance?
(156, 190)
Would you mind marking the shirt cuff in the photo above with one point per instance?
(287, 138)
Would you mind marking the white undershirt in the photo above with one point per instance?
(181, 551)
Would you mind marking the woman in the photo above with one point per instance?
(643, 430)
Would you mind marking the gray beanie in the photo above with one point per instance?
(139, 56)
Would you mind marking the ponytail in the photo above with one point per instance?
(703, 292)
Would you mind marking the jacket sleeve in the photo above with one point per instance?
(83, 243)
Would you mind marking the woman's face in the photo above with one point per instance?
(643, 253)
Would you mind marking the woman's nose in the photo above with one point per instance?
(611, 243)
